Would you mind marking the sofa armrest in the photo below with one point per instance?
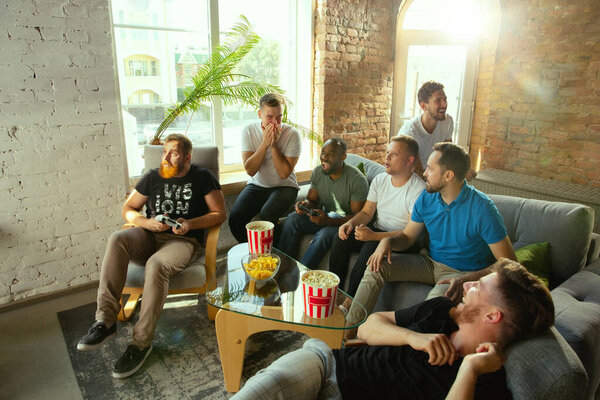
(544, 368)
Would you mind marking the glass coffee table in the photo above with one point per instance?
(242, 307)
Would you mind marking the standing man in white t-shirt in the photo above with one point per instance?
(431, 127)
(392, 195)
(270, 151)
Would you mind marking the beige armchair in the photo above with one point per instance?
(197, 277)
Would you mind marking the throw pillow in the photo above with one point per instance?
(361, 168)
(534, 257)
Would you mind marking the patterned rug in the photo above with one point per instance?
(184, 363)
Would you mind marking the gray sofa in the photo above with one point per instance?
(565, 362)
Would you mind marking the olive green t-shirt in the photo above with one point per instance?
(336, 195)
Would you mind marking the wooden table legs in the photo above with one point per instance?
(233, 329)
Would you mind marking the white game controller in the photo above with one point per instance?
(169, 221)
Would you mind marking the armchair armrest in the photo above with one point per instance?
(210, 254)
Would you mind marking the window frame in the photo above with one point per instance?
(413, 37)
(213, 33)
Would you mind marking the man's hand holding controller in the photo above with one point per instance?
(308, 211)
(169, 221)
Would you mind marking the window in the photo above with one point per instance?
(166, 41)
(435, 42)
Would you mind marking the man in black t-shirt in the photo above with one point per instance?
(429, 351)
(183, 192)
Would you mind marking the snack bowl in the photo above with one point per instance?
(261, 267)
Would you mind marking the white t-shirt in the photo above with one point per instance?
(394, 204)
(441, 133)
(290, 145)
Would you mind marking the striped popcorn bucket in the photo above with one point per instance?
(319, 302)
(260, 237)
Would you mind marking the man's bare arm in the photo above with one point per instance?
(380, 329)
(407, 237)
(284, 165)
(131, 212)
(488, 358)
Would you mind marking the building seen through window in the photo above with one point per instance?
(161, 44)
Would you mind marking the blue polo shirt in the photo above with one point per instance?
(460, 232)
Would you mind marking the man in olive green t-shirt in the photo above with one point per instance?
(337, 192)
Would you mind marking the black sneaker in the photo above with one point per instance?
(131, 361)
(97, 335)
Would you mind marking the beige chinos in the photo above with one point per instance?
(404, 268)
(163, 254)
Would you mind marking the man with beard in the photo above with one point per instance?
(270, 151)
(432, 126)
(392, 196)
(186, 193)
(337, 192)
(432, 350)
(466, 235)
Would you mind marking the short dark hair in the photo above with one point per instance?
(527, 302)
(411, 144)
(340, 144)
(271, 100)
(454, 158)
(184, 142)
(427, 90)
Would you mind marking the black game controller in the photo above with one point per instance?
(307, 210)
(169, 221)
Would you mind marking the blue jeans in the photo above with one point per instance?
(298, 224)
(269, 203)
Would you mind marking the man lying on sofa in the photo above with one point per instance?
(418, 352)
(466, 235)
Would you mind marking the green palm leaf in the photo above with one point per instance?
(217, 78)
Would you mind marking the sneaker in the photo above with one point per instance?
(97, 335)
(131, 361)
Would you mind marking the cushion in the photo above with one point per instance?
(534, 257)
(566, 227)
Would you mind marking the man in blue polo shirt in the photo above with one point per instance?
(466, 233)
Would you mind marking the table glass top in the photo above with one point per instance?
(280, 298)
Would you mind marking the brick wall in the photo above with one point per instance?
(538, 94)
(354, 61)
(62, 176)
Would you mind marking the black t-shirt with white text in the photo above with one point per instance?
(178, 197)
(400, 372)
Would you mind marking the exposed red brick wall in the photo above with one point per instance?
(538, 94)
(354, 64)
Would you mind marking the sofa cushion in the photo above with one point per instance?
(534, 257)
(556, 371)
(566, 227)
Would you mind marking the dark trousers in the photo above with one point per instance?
(269, 203)
(340, 253)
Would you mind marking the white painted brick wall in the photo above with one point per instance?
(62, 179)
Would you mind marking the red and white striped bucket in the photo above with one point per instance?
(319, 302)
(260, 237)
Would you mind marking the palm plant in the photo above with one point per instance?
(218, 78)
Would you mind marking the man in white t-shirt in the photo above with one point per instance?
(431, 127)
(392, 195)
(270, 151)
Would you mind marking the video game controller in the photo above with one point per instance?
(169, 221)
(307, 210)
